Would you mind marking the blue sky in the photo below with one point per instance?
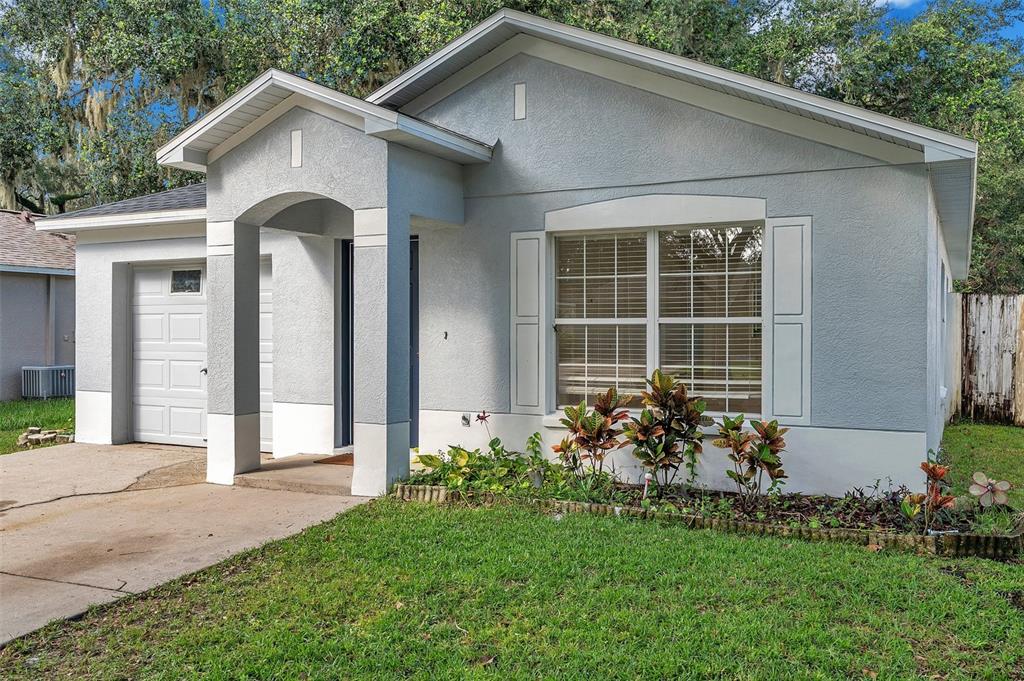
(905, 9)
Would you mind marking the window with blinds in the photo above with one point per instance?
(601, 315)
(694, 293)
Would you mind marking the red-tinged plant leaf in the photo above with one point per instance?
(934, 471)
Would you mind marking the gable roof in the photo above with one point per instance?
(951, 160)
(275, 92)
(506, 24)
(27, 250)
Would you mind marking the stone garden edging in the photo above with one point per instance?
(946, 545)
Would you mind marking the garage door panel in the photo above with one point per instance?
(149, 373)
(186, 327)
(150, 327)
(150, 283)
(186, 375)
(149, 419)
(187, 421)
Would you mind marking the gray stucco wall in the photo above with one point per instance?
(24, 318)
(302, 266)
(338, 162)
(939, 327)
(587, 139)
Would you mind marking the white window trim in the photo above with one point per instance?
(653, 320)
(202, 281)
(656, 210)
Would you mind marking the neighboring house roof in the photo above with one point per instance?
(274, 92)
(23, 249)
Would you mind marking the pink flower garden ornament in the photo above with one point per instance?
(988, 491)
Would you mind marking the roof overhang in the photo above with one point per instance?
(951, 159)
(275, 92)
(32, 269)
(506, 24)
(146, 219)
(953, 185)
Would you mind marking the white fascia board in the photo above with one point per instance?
(784, 96)
(217, 114)
(374, 120)
(287, 104)
(458, 147)
(454, 47)
(152, 218)
(175, 152)
(28, 269)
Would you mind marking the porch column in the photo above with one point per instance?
(380, 355)
(233, 384)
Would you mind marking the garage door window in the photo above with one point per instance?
(186, 281)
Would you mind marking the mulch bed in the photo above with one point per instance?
(787, 516)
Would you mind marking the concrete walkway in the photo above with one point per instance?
(87, 524)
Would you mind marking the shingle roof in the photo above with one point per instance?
(192, 196)
(22, 246)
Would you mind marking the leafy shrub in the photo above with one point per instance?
(593, 434)
(753, 455)
(667, 433)
(494, 470)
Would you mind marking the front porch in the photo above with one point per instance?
(305, 473)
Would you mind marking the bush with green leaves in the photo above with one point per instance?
(753, 456)
(495, 470)
(667, 433)
(593, 433)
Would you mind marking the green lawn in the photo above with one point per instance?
(393, 590)
(17, 415)
(998, 451)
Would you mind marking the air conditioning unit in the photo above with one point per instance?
(44, 382)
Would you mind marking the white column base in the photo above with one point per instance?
(232, 446)
(93, 417)
(381, 457)
(303, 429)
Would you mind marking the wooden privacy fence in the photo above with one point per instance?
(992, 358)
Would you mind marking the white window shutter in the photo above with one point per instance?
(528, 335)
(787, 314)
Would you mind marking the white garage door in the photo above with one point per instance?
(169, 351)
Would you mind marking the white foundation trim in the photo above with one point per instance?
(232, 446)
(381, 457)
(93, 417)
(303, 429)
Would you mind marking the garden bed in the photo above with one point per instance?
(954, 544)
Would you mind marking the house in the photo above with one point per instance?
(532, 214)
(37, 299)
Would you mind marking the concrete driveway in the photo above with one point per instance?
(86, 524)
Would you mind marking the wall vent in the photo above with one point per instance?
(44, 382)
